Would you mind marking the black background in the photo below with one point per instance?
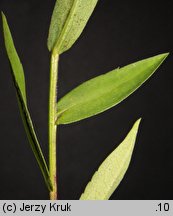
(118, 33)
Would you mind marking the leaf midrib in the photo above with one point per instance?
(68, 19)
(59, 114)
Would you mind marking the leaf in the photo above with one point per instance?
(67, 23)
(19, 83)
(112, 170)
(105, 91)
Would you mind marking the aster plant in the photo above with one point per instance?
(88, 99)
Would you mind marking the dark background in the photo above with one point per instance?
(118, 33)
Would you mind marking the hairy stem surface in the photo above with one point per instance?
(52, 125)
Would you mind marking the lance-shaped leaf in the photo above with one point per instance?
(105, 91)
(19, 83)
(112, 170)
(68, 21)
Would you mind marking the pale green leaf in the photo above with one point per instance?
(105, 91)
(68, 21)
(112, 170)
(19, 83)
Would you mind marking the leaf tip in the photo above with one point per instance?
(137, 123)
(163, 56)
(4, 22)
(3, 16)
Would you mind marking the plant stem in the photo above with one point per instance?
(52, 125)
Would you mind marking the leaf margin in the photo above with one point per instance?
(15, 62)
(70, 96)
(91, 193)
(56, 46)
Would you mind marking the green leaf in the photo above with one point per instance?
(68, 21)
(19, 83)
(105, 91)
(112, 170)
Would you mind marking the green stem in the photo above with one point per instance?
(52, 125)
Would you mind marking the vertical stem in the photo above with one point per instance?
(52, 125)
